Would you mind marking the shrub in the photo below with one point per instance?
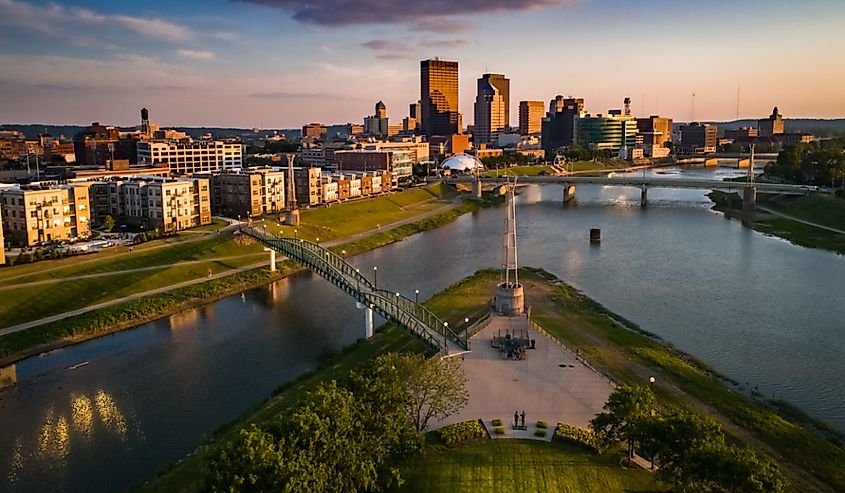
(496, 422)
(574, 435)
(542, 424)
(458, 433)
(540, 432)
(499, 430)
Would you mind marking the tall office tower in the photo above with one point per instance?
(773, 125)
(503, 84)
(531, 117)
(559, 125)
(489, 112)
(439, 97)
(377, 125)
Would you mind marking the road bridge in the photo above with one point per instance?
(749, 191)
(408, 314)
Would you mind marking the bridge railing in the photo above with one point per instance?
(411, 315)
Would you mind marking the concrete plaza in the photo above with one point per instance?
(550, 384)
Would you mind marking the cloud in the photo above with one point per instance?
(302, 95)
(445, 43)
(385, 45)
(82, 26)
(196, 54)
(393, 56)
(416, 13)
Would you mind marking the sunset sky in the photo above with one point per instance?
(282, 63)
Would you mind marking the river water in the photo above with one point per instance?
(756, 308)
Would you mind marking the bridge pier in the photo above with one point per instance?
(476, 189)
(749, 198)
(644, 196)
(272, 259)
(568, 191)
(368, 319)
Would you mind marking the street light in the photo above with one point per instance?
(651, 381)
(358, 279)
(466, 331)
(343, 252)
(294, 233)
(445, 331)
(416, 296)
(375, 276)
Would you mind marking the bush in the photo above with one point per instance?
(540, 432)
(458, 433)
(499, 430)
(574, 435)
(542, 424)
(496, 422)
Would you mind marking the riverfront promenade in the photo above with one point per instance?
(550, 384)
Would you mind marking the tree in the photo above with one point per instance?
(434, 388)
(626, 409)
(252, 462)
(108, 223)
(678, 435)
(731, 469)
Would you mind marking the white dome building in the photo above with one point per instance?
(462, 163)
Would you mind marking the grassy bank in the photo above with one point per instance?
(817, 208)
(522, 465)
(129, 314)
(68, 295)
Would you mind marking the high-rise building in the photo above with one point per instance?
(490, 109)
(531, 117)
(439, 97)
(503, 84)
(699, 138)
(656, 131)
(610, 132)
(773, 125)
(377, 125)
(559, 126)
(185, 157)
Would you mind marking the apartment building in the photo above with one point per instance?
(308, 185)
(187, 158)
(169, 204)
(247, 193)
(45, 211)
(398, 163)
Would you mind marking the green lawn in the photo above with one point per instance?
(528, 170)
(522, 465)
(820, 208)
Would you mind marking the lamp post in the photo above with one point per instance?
(417, 296)
(343, 253)
(445, 331)
(375, 276)
(466, 331)
(651, 381)
(358, 279)
(294, 233)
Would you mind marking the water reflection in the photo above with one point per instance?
(8, 376)
(62, 433)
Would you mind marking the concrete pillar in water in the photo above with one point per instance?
(368, 319)
(749, 198)
(272, 259)
(476, 189)
(644, 196)
(568, 192)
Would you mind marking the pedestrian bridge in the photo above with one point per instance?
(408, 314)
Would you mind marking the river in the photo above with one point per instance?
(109, 413)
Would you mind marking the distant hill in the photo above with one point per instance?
(816, 126)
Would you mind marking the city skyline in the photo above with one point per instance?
(279, 64)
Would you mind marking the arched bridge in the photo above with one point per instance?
(411, 316)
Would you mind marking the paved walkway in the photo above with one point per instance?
(232, 224)
(550, 384)
(802, 221)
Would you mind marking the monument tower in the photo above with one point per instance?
(510, 297)
(292, 213)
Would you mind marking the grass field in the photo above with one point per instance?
(522, 465)
(520, 171)
(820, 208)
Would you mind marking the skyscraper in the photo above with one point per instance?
(489, 111)
(439, 97)
(531, 117)
(503, 84)
(559, 124)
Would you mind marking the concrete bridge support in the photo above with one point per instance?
(568, 192)
(476, 189)
(272, 259)
(644, 196)
(368, 319)
(749, 198)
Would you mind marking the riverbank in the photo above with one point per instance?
(811, 221)
(80, 328)
(617, 348)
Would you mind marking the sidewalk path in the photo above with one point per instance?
(793, 218)
(339, 241)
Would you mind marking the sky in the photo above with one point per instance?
(282, 63)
